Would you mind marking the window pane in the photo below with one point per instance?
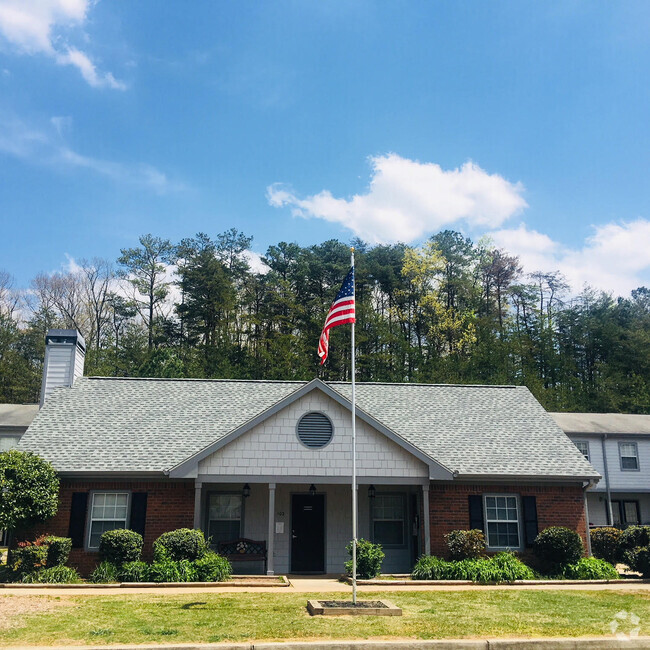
(631, 512)
(616, 512)
(629, 463)
(225, 506)
(584, 448)
(223, 531)
(389, 533)
(97, 528)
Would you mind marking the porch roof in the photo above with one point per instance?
(152, 425)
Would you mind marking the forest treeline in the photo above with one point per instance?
(451, 311)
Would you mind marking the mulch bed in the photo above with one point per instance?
(349, 603)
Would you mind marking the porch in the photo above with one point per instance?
(307, 525)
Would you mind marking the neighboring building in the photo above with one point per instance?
(271, 460)
(14, 420)
(618, 446)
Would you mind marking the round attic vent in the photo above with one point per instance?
(315, 430)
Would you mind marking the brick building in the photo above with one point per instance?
(271, 460)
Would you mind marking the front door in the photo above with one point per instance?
(308, 533)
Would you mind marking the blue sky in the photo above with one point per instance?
(302, 121)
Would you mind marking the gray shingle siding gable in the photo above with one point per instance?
(151, 425)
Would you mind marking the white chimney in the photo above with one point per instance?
(65, 351)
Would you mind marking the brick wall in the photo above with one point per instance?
(556, 506)
(170, 505)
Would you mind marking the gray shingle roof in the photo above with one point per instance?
(151, 425)
(599, 423)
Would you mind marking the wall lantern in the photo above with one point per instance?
(371, 492)
(312, 490)
(246, 492)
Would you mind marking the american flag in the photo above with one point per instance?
(341, 312)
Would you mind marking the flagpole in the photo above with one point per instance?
(354, 459)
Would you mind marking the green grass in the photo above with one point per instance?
(249, 616)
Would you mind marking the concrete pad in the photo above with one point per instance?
(320, 608)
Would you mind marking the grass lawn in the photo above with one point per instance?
(70, 620)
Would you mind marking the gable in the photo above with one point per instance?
(272, 448)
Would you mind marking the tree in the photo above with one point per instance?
(29, 489)
(145, 269)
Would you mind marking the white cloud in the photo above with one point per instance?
(616, 258)
(407, 199)
(46, 146)
(37, 27)
(255, 262)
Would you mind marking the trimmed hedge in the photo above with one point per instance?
(369, 559)
(465, 544)
(120, 545)
(182, 544)
(58, 550)
(555, 547)
(605, 543)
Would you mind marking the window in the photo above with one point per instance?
(388, 519)
(224, 517)
(626, 513)
(583, 447)
(108, 511)
(314, 430)
(502, 521)
(629, 455)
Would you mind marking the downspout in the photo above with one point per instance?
(586, 487)
(610, 515)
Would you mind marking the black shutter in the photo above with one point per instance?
(476, 512)
(77, 526)
(530, 519)
(138, 512)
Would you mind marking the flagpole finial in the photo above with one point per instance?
(352, 248)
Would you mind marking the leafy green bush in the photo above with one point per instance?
(502, 567)
(369, 559)
(212, 567)
(465, 544)
(181, 544)
(164, 570)
(29, 557)
(590, 568)
(58, 550)
(643, 561)
(53, 575)
(633, 537)
(186, 571)
(430, 567)
(104, 572)
(605, 543)
(120, 545)
(133, 572)
(555, 547)
(30, 489)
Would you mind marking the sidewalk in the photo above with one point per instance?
(320, 584)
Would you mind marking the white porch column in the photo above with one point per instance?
(270, 543)
(198, 488)
(427, 519)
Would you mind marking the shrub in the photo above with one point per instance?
(633, 537)
(133, 572)
(605, 543)
(164, 570)
(104, 572)
(29, 557)
(120, 545)
(590, 568)
(53, 575)
(430, 567)
(181, 544)
(6, 574)
(503, 567)
(465, 544)
(212, 567)
(369, 559)
(58, 550)
(555, 547)
(186, 571)
(643, 561)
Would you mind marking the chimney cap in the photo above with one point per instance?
(69, 336)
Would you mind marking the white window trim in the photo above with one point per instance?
(519, 522)
(636, 455)
(583, 442)
(89, 516)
